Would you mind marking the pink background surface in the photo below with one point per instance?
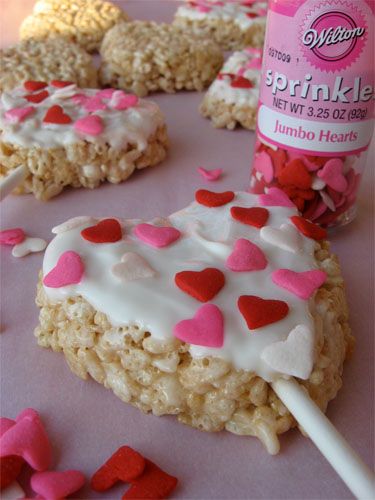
(86, 422)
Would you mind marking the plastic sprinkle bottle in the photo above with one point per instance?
(316, 105)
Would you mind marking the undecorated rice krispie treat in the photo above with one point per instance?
(143, 57)
(45, 61)
(67, 136)
(82, 21)
(194, 315)
(233, 96)
(233, 24)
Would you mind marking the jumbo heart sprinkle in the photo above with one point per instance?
(121, 101)
(332, 175)
(68, 271)
(263, 164)
(29, 245)
(253, 216)
(211, 199)
(132, 267)
(303, 284)
(275, 197)
(90, 125)
(205, 329)
(202, 285)
(32, 85)
(27, 439)
(124, 465)
(295, 174)
(154, 483)
(55, 114)
(259, 312)
(60, 84)
(12, 236)
(37, 98)
(240, 82)
(156, 236)
(18, 115)
(294, 356)
(210, 175)
(246, 256)
(286, 237)
(105, 231)
(308, 228)
(94, 103)
(55, 485)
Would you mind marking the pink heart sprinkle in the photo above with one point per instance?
(254, 52)
(121, 101)
(94, 104)
(156, 236)
(262, 12)
(12, 236)
(263, 164)
(203, 8)
(205, 329)
(17, 115)
(106, 93)
(332, 175)
(255, 63)
(80, 99)
(302, 284)
(27, 439)
(210, 175)
(90, 125)
(319, 210)
(5, 425)
(246, 256)
(54, 485)
(68, 271)
(275, 197)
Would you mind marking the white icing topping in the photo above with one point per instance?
(225, 11)
(157, 304)
(237, 64)
(120, 127)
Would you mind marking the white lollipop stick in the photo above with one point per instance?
(348, 465)
(12, 180)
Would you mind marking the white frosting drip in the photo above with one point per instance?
(222, 89)
(120, 127)
(229, 11)
(157, 304)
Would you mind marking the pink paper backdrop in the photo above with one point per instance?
(86, 422)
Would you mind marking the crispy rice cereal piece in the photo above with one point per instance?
(57, 155)
(228, 105)
(81, 21)
(46, 60)
(143, 57)
(162, 376)
(228, 25)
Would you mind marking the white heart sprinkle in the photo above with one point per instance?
(29, 245)
(286, 237)
(293, 356)
(317, 184)
(132, 267)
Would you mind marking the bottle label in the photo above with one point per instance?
(317, 94)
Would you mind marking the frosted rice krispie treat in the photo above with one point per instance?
(46, 60)
(233, 96)
(234, 24)
(82, 21)
(194, 315)
(67, 136)
(143, 57)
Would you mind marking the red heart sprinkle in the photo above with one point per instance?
(105, 231)
(299, 203)
(154, 483)
(254, 216)
(10, 468)
(308, 228)
(278, 159)
(124, 465)
(36, 98)
(55, 114)
(293, 192)
(60, 83)
(202, 285)
(261, 312)
(318, 160)
(295, 174)
(211, 199)
(32, 85)
(240, 82)
(251, 14)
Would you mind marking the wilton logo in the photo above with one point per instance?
(334, 39)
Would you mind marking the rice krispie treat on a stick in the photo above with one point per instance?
(143, 57)
(233, 96)
(67, 136)
(81, 21)
(44, 61)
(234, 24)
(196, 314)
